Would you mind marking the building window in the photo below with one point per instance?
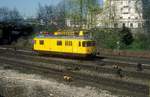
(136, 17)
(125, 6)
(121, 2)
(41, 42)
(121, 9)
(125, 13)
(123, 24)
(128, 17)
(131, 25)
(129, 9)
(129, 1)
(139, 25)
(116, 25)
(59, 43)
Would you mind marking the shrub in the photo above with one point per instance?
(106, 38)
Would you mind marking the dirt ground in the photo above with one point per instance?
(16, 84)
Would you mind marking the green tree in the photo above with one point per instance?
(106, 38)
(140, 42)
(126, 37)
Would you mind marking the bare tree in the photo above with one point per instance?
(82, 12)
(52, 15)
(10, 15)
(45, 14)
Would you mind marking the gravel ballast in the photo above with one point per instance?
(16, 84)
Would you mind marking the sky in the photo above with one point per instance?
(27, 8)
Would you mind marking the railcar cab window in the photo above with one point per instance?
(41, 42)
(34, 42)
(88, 43)
(59, 43)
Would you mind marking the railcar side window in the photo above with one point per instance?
(79, 43)
(68, 43)
(84, 44)
(41, 42)
(59, 43)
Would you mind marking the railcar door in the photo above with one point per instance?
(41, 45)
(75, 47)
(59, 46)
(79, 47)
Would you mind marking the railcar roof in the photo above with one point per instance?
(64, 37)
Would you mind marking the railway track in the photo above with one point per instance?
(99, 73)
(120, 58)
(122, 61)
(101, 66)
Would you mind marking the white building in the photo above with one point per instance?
(121, 12)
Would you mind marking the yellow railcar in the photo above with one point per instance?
(74, 46)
